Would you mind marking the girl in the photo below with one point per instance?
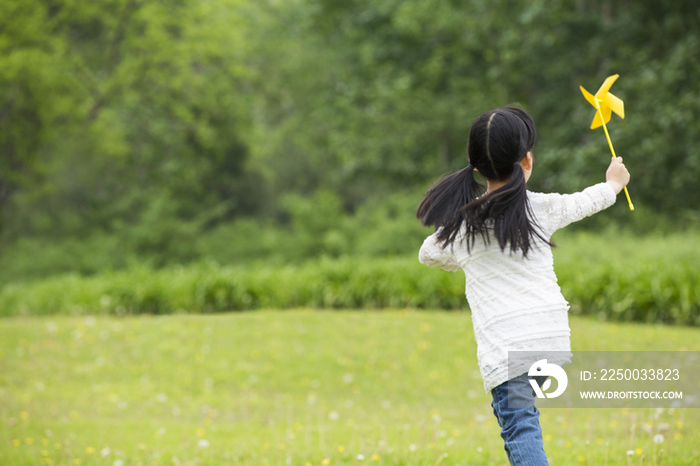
(499, 235)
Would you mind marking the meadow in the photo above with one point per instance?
(209, 246)
(298, 387)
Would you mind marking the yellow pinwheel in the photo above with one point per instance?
(606, 103)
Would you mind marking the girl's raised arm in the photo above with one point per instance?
(563, 209)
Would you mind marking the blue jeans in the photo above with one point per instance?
(520, 427)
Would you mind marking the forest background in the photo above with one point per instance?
(236, 132)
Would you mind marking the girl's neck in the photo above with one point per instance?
(491, 186)
(525, 164)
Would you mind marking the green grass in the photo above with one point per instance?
(296, 387)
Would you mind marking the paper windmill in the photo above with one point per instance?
(606, 103)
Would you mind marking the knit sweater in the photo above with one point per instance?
(516, 303)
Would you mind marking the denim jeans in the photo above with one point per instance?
(520, 427)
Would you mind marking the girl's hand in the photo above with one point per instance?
(617, 175)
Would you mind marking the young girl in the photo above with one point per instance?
(499, 235)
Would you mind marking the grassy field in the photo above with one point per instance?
(297, 388)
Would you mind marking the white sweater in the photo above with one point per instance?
(516, 303)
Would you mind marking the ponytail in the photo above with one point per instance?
(443, 202)
(456, 201)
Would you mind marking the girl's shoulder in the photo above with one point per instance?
(536, 198)
(541, 204)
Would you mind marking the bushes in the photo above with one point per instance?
(342, 283)
(648, 280)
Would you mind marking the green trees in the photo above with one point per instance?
(153, 131)
(404, 80)
(122, 113)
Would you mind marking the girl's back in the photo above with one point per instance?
(515, 301)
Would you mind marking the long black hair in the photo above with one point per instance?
(498, 141)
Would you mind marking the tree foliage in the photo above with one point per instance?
(152, 124)
(396, 85)
(120, 113)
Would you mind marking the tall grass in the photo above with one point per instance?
(652, 279)
(203, 288)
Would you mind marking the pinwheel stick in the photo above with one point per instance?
(607, 135)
